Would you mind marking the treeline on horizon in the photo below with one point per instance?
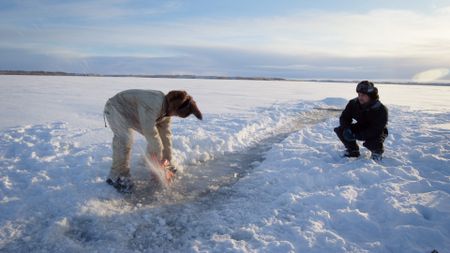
(61, 73)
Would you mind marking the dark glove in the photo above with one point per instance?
(349, 135)
(358, 136)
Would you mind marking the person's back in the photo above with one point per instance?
(131, 103)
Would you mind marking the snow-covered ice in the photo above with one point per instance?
(261, 173)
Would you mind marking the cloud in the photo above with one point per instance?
(42, 11)
(376, 33)
(431, 75)
(222, 61)
(379, 43)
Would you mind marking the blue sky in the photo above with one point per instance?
(292, 39)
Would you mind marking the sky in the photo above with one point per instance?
(348, 39)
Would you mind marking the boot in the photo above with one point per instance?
(122, 184)
(376, 156)
(351, 153)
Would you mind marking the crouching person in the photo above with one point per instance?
(147, 112)
(371, 119)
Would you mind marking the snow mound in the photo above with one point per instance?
(335, 102)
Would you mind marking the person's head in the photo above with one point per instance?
(181, 104)
(366, 92)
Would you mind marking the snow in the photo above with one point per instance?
(262, 172)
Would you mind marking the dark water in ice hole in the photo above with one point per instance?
(219, 174)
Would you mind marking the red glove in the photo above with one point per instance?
(163, 165)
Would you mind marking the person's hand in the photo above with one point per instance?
(349, 135)
(162, 163)
(169, 176)
(169, 170)
(165, 163)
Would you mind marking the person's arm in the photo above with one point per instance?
(147, 120)
(346, 116)
(166, 137)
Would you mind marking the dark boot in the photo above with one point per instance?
(376, 156)
(351, 153)
(122, 184)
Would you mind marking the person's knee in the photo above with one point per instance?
(119, 143)
(374, 145)
(124, 137)
(338, 130)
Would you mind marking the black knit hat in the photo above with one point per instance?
(367, 88)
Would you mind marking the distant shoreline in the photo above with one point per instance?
(59, 73)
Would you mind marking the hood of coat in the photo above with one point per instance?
(180, 103)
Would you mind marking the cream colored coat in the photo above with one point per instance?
(143, 111)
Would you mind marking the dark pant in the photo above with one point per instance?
(375, 144)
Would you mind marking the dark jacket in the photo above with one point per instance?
(371, 120)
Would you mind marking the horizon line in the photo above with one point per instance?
(216, 77)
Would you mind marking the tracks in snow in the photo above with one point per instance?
(225, 170)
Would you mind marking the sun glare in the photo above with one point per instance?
(431, 75)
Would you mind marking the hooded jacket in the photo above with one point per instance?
(371, 120)
(145, 112)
